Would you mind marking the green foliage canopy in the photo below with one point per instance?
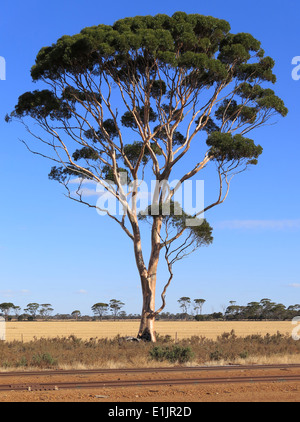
(200, 51)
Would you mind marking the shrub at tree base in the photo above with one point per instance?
(172, 354)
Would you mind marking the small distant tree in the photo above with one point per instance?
(198, 305)
(253, 310)
(45, 310)
(115, 307)
(17, 310)
(292, 311)
(5, 307)
(76, 314)
(278, 311)
(122, 315)
(267, 305)
(232, 311)
(32, 309)
(100, 309)
(184, 303)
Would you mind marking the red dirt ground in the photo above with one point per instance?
(284, 391)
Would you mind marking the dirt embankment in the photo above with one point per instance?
(275, 391)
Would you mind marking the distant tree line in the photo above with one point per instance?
(265, 309)
(31, 312)
(34, 311)
(190, 310)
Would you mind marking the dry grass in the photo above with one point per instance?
(68, 344)
(28, 330)
(73, 352)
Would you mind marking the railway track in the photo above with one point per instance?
(145, 370)
(140, 383)
(57, 384)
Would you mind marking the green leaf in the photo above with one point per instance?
(226, 147)
(42, 104)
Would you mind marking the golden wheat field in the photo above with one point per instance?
(28, 330)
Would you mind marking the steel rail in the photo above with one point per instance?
(156, 382)
(145, 370)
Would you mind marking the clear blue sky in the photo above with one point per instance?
(55, 251)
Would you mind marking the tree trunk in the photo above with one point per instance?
(147, 276)
(146, 330)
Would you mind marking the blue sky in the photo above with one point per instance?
(55, 251)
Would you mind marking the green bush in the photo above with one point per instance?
(244, 354)
(217, 354)
(43, 359)
(22, 362)
(172, 354)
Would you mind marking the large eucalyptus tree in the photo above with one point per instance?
(139, 97)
